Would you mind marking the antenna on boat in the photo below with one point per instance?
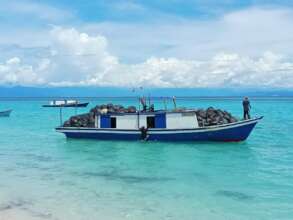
(138, 112)
(138, 99)
(149, 100)
(174, 101)
(75, 109)
(165, 104)
(60, 113)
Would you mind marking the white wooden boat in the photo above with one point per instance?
(159, 126)
(66, 103)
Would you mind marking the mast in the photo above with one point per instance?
(60, 115)
(149, 101)
(165, 104)
(138, 113)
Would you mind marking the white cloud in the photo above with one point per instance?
(14, 72)
(80, 59)
(247, 48)
(13, 61)
(250, 32)
(79, 55)
(88, 62)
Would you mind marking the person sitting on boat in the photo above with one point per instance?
(144, 134)
(246, 108)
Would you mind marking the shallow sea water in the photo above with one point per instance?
(43, 175)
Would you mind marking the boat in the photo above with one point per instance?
(159, 125)
(66, 103)
(5, 113)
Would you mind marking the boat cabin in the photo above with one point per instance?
(150, 120)
(63, 102)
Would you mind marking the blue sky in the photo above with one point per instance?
(124, 10)
(141, 11)
(132, 10)
(166, 43)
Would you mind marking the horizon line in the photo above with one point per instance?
(154, 97)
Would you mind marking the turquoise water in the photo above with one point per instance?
(45, 176)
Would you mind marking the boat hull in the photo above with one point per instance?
(5, 113)
(233, 132)
(79, 105)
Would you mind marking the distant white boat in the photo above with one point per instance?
(66, 103)
(5, 113)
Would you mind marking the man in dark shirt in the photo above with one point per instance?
(246, 108)
(144, 133)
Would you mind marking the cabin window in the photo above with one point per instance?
(150, 122)
(113, 122)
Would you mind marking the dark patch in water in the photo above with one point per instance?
(96, 194)
(27, 165)
(48, 177)
(23, 205)
(13, 204)
(234, 195)
(99, 174)
(40, 214)
(4, 207)
(142, 179)
(9, 169)
(67, 183)
(36, 157)
(126, 178)
(43, 158)
(200, 176)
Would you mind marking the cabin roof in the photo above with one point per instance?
(149, 112)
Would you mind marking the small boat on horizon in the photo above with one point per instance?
(66, 103)
(5, 113)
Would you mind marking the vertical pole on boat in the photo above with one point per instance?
(75, 108)
(138, 112)
(60, 114)
(149, 100)
(165, 104)
(96, 119)
(174, 101)
(138, 103)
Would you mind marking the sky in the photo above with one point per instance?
(153, 43)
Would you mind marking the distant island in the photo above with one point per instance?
(21, 91)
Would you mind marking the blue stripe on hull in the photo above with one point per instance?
(103, 136)
(227, 133)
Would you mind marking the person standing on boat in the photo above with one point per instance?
(246, 108)
(143, 102)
